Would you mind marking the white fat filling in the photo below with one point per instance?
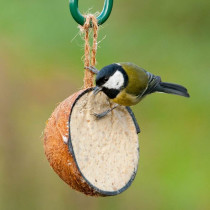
(106, 150)
(65, 139)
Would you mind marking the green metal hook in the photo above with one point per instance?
(79, 18)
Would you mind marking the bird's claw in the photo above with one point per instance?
(101, 115)
(92, 69)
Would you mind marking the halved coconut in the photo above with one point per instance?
(98, 157)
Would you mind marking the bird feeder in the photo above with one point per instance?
(98, 157)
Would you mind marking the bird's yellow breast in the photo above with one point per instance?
(126, 99)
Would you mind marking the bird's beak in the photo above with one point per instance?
(96, 90)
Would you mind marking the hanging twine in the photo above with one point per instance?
(90, 54)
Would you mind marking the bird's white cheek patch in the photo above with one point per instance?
(116, 81)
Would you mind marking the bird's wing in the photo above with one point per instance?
(153, 82)
(138, 79)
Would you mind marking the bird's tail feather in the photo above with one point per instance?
(171, 88)
(156, 85)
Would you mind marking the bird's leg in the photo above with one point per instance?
(92, 69)
(103, 114)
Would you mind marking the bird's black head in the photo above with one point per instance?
(111, 80)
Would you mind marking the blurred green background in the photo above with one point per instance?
(41, 64)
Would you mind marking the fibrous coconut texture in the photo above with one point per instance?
(98, 157)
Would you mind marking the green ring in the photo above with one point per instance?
(79, 18)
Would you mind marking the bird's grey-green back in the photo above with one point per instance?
(138, 79)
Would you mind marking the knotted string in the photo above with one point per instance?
(90, 54)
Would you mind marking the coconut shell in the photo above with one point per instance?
(63, 140)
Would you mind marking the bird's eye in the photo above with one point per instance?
(106, 79)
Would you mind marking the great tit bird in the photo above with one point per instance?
(127, 84)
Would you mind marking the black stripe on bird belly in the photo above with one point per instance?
(111, 93)
(126, 99)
